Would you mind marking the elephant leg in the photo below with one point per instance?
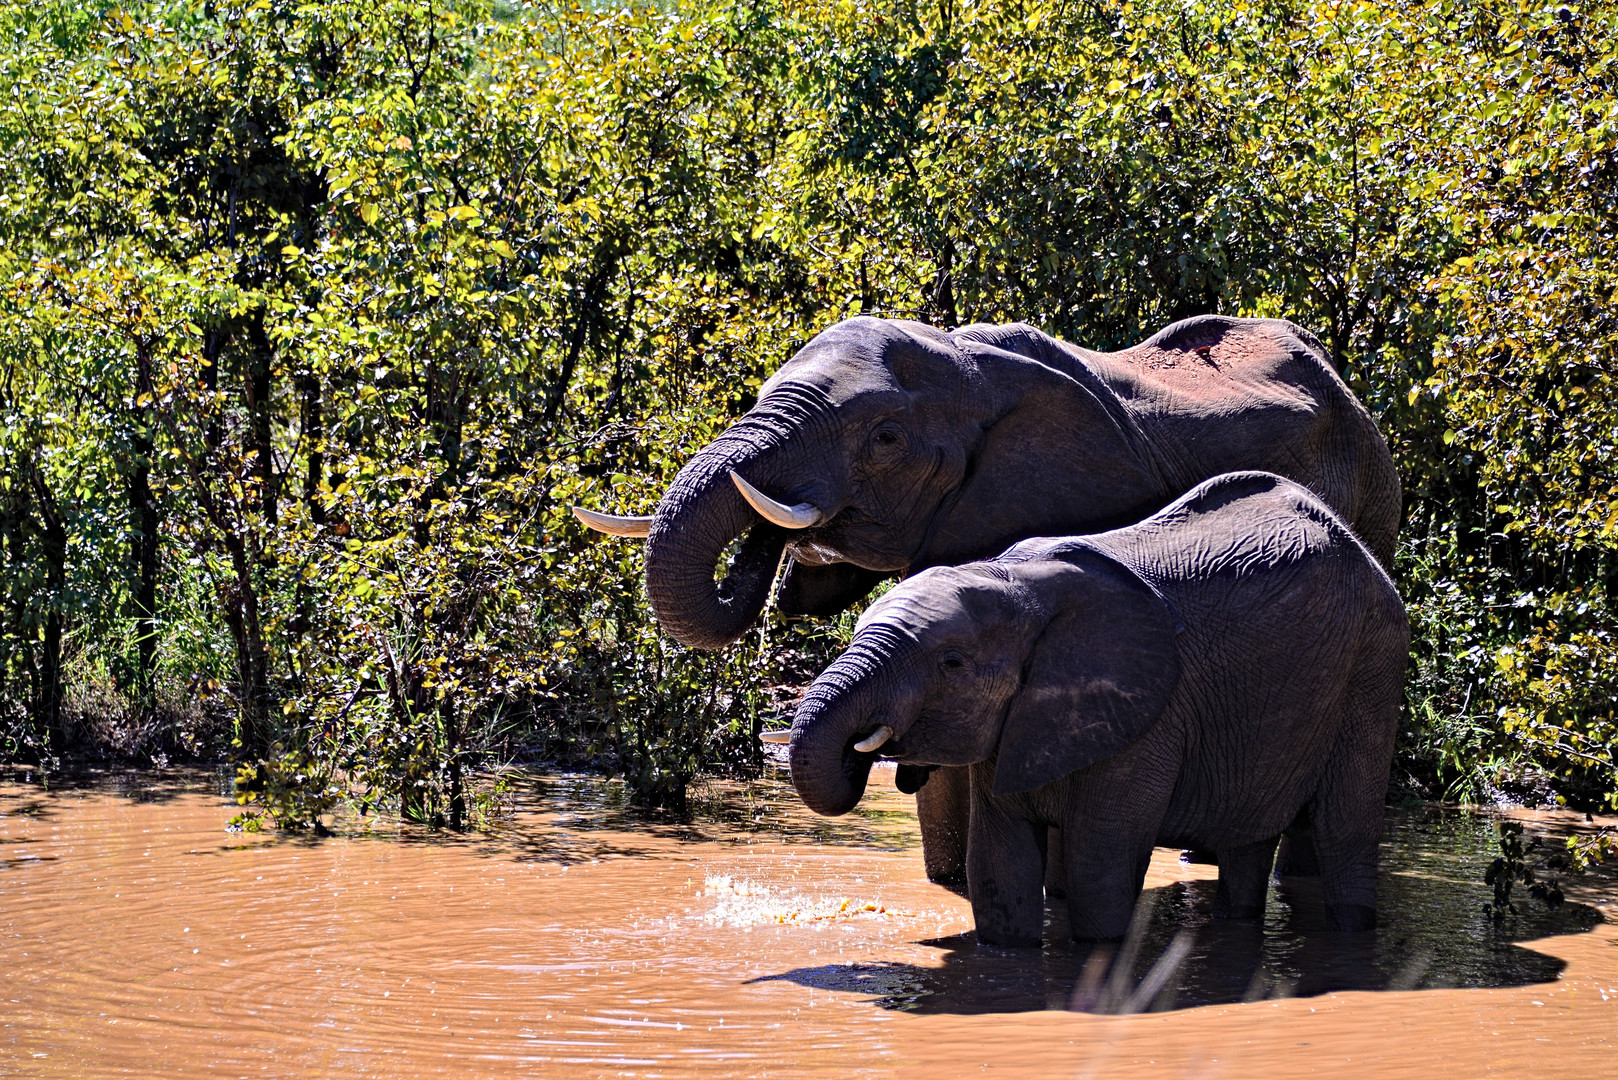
(1348, 829)
(1005, 874)
(1244, 880)
(1297, 857)
(1347, 807)
(943, 806)
(1104, 878)
(1348, 873)
(1055, 865)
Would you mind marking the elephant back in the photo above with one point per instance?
(1297, 416)
(1252, 530)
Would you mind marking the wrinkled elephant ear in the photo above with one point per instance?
(1098, 678)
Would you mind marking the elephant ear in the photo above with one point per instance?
(1061, 455)
(1097, 679)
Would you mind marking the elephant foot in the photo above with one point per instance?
(948, 871)
(1013, 917)
(1095, 937)
(1100, 924)
(1199, 856)
(1353, 917)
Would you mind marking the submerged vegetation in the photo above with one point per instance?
(315, 319)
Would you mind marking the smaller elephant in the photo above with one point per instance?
(1199, 679)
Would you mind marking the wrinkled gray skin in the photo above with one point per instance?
(1195, 680)
(924, 448)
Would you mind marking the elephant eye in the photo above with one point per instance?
(887, 441)
(952, 663)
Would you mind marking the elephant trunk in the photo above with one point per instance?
(851, 699)
(699, 517)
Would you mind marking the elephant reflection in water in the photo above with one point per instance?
(887, 447)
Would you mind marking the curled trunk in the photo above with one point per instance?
(698, 519)
(849, 700)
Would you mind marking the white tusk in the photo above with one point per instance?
(788, 517)
(612, 524)
(874, 740)
(775, 736)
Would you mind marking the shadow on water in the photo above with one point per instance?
(36, 790)
(1434, 933)
(552, 817)
(585, 817)
(38, 795)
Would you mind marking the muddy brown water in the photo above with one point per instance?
(139, 938)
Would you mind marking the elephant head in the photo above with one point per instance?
(1050, 658)
(883, 446)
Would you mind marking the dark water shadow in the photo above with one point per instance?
(550, 817)
(30, 793)
(34, 791)
(1433, 933)
(573, 818)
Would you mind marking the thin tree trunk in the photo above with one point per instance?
(590, 298)
(53, 543)
(240, 608)
(11, 551)
(50, 681)
(944, 293)
(238, 604)
(256, 383)
(239, 600)
(143, 542)
(452, 748)
(312, 435)
(314, 438)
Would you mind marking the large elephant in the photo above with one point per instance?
(1197, 679)
(886, 447)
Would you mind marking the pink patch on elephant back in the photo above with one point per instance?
(1210, 362)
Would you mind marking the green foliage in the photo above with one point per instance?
(323, 315)
(1584, 851)
(1523, 368)
(1511, 868)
